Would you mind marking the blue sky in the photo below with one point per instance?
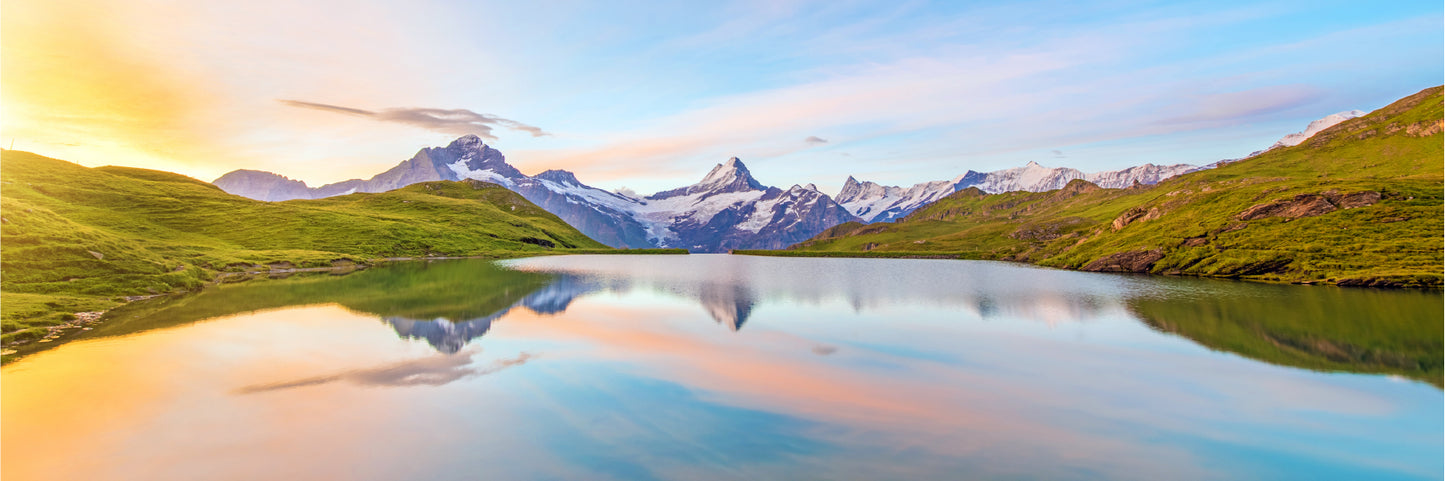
(652, 95)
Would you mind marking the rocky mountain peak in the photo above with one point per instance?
(851, 189)
(467, 142)
(559, 176)
(469, 153)
(729, 172)
(727, 177)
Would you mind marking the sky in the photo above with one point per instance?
(651, 95)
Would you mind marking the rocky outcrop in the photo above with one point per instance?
(1309, 205)
(1425, 128)
(1136, 214)
(1132, 261)
(1355, 200)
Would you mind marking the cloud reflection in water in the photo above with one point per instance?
(427, 371)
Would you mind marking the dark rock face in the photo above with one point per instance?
(971, 178)
(1132, 261)
(798, 216)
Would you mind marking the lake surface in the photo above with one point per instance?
(733, 367)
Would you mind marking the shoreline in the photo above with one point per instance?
(1363, 282)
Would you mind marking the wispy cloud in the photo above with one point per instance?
(815, 140)
(448, 121)
(1230, 106)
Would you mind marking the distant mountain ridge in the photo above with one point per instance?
(727, 209)
(877, 203)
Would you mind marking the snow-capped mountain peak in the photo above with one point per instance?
(725, 178)
(560, 176)
(1315, 127)
(466, 142)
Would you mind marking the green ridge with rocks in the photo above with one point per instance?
(1358, 204)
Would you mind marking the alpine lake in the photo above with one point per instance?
(734, 367)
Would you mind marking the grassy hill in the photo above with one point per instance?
(1359, 203)
(76, 239)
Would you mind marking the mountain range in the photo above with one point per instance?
(877, 203)
(727, 209)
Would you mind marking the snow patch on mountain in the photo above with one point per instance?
(1315, 127)
(486, 175)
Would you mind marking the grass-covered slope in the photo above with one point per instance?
(1357, 204)
(76, 239)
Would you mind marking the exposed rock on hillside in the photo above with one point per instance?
(1132, 261)
(1309, 205)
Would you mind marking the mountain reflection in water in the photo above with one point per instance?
(730, 298)
(731, 367)
(449, 304)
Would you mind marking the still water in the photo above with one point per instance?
(732, 367)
